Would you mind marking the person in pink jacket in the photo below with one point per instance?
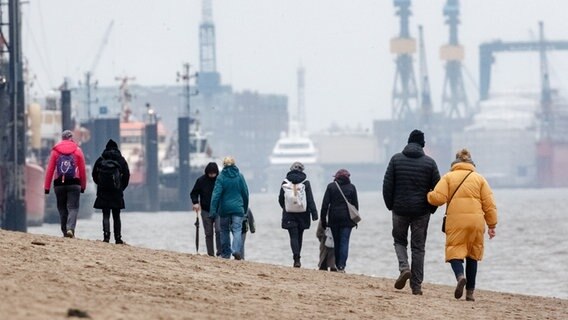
(66, 168)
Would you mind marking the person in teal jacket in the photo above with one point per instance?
(230, 201)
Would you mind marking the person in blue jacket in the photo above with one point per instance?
(230, 201)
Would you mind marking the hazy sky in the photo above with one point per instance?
(343, 44)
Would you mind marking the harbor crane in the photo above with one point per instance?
(89, 74)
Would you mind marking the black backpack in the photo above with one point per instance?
(109, 174)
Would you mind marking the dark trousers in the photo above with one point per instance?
(418, 231)
(470, 270)
(341, 237)
(296, 239)
(115, 221)
(68, 205)
(211, 226)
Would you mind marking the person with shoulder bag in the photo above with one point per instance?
(298, 205)
(335, 214)
(472, 208)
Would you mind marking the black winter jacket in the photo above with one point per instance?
(334, 211)
(202, 191)
(300, 220)
(409, 177)
(111, 198)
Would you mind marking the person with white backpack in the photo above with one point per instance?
(298, 205)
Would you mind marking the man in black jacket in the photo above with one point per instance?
(201, 199)
(408, 178)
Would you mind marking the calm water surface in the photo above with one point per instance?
(529, 255)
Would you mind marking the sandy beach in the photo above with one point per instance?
(46, 277)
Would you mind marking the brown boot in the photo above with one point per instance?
(469, 295)
(458, 293)
(402, 278)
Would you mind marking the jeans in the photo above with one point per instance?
(244, 238)
(210, 225)
(115, 220)
(296, 239)
(470, 270)
(418, 231)
(231, 224)
(341, 237)
(68, 205)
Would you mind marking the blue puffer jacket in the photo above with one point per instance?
(230, 194)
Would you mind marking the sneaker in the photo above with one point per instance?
(417, 292)
(469, 295)
(459, 287)
(237, 256)
(341, 270)
(402, 278)
(120, 242)
(69, 234)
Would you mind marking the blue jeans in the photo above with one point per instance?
(418, 226)
(341, 237)
(231, 224)
(470, 270)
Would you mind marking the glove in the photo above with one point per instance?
(46, 191)
(314, 218)
(82, 190)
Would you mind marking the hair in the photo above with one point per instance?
(228, 161)
(463, 155)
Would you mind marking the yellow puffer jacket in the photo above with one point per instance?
(471, 208)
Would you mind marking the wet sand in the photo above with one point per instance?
(45, 277)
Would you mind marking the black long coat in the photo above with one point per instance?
(300, 220)
(334, 211)
(111, 198)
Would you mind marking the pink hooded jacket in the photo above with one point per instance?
(66, 147)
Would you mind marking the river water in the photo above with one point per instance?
(529, 255)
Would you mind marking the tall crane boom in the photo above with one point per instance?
(101, 47)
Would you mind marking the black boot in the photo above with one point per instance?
(297, 263)
(106, 236)
(118, 238)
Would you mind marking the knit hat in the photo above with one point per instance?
(417, 136)
(67, 135)
(228, 161)
(298, 166)
(463, 156)
(342, 173)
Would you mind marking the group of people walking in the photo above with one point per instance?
(66, 169)
(412, 190)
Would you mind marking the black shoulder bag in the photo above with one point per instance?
(448, 204)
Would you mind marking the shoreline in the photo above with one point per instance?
(45, 276)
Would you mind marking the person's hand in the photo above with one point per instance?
(46, 191)
(196, 207)
(491, 233)
(82, 190)
(314, 217)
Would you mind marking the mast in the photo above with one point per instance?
(301, 100)
(209, 79)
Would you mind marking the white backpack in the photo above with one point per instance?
(295, 196)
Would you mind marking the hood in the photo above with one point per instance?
(111, 145)
(212, 167)
(65, 147)
(230, 171)
(296, 176)
(413, 150)
(343, 180)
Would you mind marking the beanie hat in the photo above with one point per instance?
(416, 136)
(67, 135)
(463, 156)
(298, 166)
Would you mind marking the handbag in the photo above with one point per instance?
(353, 212)
(328, 238)
(448, 204)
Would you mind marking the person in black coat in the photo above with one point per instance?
(109, 198)
(410, 175)
(297, 222)
(201, 199)
(335, 214)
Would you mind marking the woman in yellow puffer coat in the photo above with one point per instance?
(471, 208)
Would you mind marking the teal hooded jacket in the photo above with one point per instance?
(230, 194)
